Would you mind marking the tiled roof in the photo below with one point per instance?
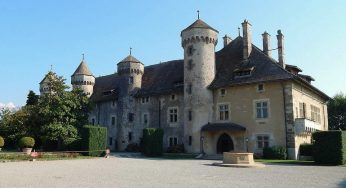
(82, 70)
(130, 58)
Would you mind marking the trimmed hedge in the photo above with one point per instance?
(305, 149)
(152, 142)
(94, 140)
(329, 147)
(2, 142)
(26, 142)
(276, 152)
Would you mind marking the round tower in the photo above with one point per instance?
(83, 79)
(132, 69)
(199, 41)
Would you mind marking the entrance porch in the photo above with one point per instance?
(222, 137)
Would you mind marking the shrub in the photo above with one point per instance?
(133, 148)
(329, 147)
(176, 149)
(72, 144)
(152, 142)
(305, 149)
(2, 142)
(276, 152)
(94, 140)
(26, 142)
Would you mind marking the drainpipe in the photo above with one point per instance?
(284, 100)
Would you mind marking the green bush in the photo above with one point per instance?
(329, 147)
(176, 149)
(94, 140)
(305, 149)
(26, 142)
(72, 144)
(152, 142)
(2, 142)
(276, 152)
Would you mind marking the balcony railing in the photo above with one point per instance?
(304, 125)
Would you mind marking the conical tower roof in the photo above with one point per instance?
(82, 70)
(130, 58)
(199, 24)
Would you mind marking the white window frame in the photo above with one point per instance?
(219, 112)
(255, 109)
(169, 115)
(173, 138)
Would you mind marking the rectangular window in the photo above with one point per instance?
(113, 120)
(145, 119)
(110, 141)
(172, 97)
(262, 141)
(222, 92)
(262, 110)
(173, 141)
(93, 121)
(315, 114)
(302, 110)
(131, 80)
(130, 136)
(260, 87)
(223, 112)
(145, 100)
(190, 115)
(173, 115)
(190, 140)
(131, 117)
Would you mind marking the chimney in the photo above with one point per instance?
(246, 39)
(226, 40)
(281, 49)
(266, 43)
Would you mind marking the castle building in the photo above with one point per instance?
(236, 99)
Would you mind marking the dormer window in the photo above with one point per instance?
(243, 72)
(145, 100)
(131, 80)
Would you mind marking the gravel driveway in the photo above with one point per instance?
(143, 172)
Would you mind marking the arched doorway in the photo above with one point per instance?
(224, 144)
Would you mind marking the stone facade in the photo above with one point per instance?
(238, 98)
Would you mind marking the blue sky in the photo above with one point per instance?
(38, 33)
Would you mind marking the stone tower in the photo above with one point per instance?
(130, 71)
(199, 41)
(133, 70)
(45, 87)
(83, 78)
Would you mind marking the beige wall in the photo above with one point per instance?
(242, 111)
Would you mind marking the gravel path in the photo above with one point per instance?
(142, 172)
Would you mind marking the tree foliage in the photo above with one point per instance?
(337, 112)
(57, 115)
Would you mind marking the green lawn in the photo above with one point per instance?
(285, 161)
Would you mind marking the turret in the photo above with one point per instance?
(45, 87)
(132, 69)
(83, 79)
(198, 41)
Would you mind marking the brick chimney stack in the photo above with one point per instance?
(246, 39)
(226, 40)
(266, 44)
(281, 49)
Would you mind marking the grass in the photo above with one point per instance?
(297, 162)
(18, 156)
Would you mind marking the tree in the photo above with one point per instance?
(32, 98)
(337, 112)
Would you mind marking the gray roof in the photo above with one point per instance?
(82, 70)
(130, 58)
(229, 126)
(199, 24)
(168, 77)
